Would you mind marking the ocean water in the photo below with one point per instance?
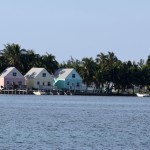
(29, 122)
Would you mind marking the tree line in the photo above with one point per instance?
(105, 70)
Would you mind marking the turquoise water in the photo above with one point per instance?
(29, 122)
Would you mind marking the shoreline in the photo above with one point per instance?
(62, 92)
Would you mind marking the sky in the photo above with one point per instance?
(78, 28)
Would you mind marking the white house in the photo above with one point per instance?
(11, 77)
(39, 78)
(68, 79)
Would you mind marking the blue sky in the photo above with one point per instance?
(78, 28)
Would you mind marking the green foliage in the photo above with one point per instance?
(106, 69)
(24, 60)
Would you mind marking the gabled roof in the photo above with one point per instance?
(7, 71)
(63, 73)
(33, 72)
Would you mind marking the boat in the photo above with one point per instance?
(142, 95)
(39, 93)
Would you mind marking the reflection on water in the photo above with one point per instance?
(74, 123)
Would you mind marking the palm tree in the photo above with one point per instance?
(29, 60)
(87, 70)
(105, 73)
(72, 63)
(12, 54)
(49, 62)
(3, 63)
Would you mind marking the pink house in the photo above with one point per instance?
(11, 77)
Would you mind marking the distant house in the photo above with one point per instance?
(39, 78)
(11, 78)
(68, 79)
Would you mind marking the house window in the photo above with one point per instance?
(78, 84)
(44, 75)
(43, 83)
(67, 83)
(73, 75)
(48, 84)
(20, 83)
(14, 74)
(38, 83)
(7, 82)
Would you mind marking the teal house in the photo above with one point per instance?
(68, 79)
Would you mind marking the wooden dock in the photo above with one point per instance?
(19, 92)
(60, 92)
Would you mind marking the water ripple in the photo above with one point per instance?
(74, 123)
